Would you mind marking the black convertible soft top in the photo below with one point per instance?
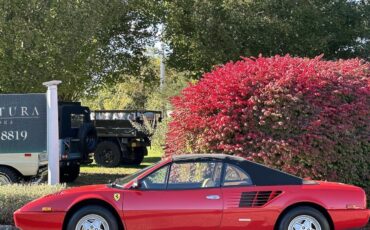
(260, 174)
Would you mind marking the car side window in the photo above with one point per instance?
(195, 175)
(157, 180)
(234, 176)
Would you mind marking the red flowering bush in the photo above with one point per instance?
(308, 117)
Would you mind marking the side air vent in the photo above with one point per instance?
(257, 198)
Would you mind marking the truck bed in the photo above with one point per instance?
(115, 128)
(119, 123)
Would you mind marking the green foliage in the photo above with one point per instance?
(207, 33)
(159, 137)
(83, 43)
(140, 91)
(160, 98)
(13, 197)
(130, 94)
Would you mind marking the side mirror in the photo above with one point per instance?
(135, 185)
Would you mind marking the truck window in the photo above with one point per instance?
(77, 120)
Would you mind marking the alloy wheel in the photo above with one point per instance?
(92, 222)
(304, 222)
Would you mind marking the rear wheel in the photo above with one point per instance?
(107, 154)
(93, 217)
(8, 176)
(138, 156)
(304, 218)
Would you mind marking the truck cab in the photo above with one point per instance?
(77, 138)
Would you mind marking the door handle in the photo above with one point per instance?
(213, 197)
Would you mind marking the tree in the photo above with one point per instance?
(141, 91)
(81, 42)
(207, 33)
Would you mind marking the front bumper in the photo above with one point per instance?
(65, 164)
(349, 219)
(42, 175)
(39, 220)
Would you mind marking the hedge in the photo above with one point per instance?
(12, 197)
(308, 117)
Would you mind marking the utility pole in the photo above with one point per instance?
(162, 67)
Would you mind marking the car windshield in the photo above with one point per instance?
(124, 180)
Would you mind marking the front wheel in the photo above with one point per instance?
(88, 139)
(69, 174)
(93, 217)
(304, 218)
(107, 154)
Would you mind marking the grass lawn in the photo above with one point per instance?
(95, 174)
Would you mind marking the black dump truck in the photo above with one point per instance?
(77, 137)
(123, 135)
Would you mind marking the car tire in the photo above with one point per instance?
(69, 174)
(302, 214)
(88, 138)
(90, 214)
(107, 154)
(8, 176)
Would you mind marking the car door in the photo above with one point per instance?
(182, 196)
(244, 203)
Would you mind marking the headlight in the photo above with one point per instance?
(43, 157)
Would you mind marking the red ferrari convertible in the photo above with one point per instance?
(201, 192)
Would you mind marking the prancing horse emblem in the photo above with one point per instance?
(117, 196)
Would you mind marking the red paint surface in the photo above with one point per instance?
(189, 209)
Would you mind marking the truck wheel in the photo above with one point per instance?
(69, 174)
(107, 154)
(8, 176)
(88, 138)
(139, 154)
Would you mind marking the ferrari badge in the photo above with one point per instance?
(117, 196)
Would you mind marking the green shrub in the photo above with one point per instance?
(13, 197)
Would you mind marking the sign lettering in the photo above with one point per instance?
(22, 123)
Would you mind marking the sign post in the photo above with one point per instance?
(52, 131)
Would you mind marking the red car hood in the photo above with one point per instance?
(63, 200)
(88, 188)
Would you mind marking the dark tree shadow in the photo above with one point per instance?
(104, 178)
(151, 160)
(95, 178)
